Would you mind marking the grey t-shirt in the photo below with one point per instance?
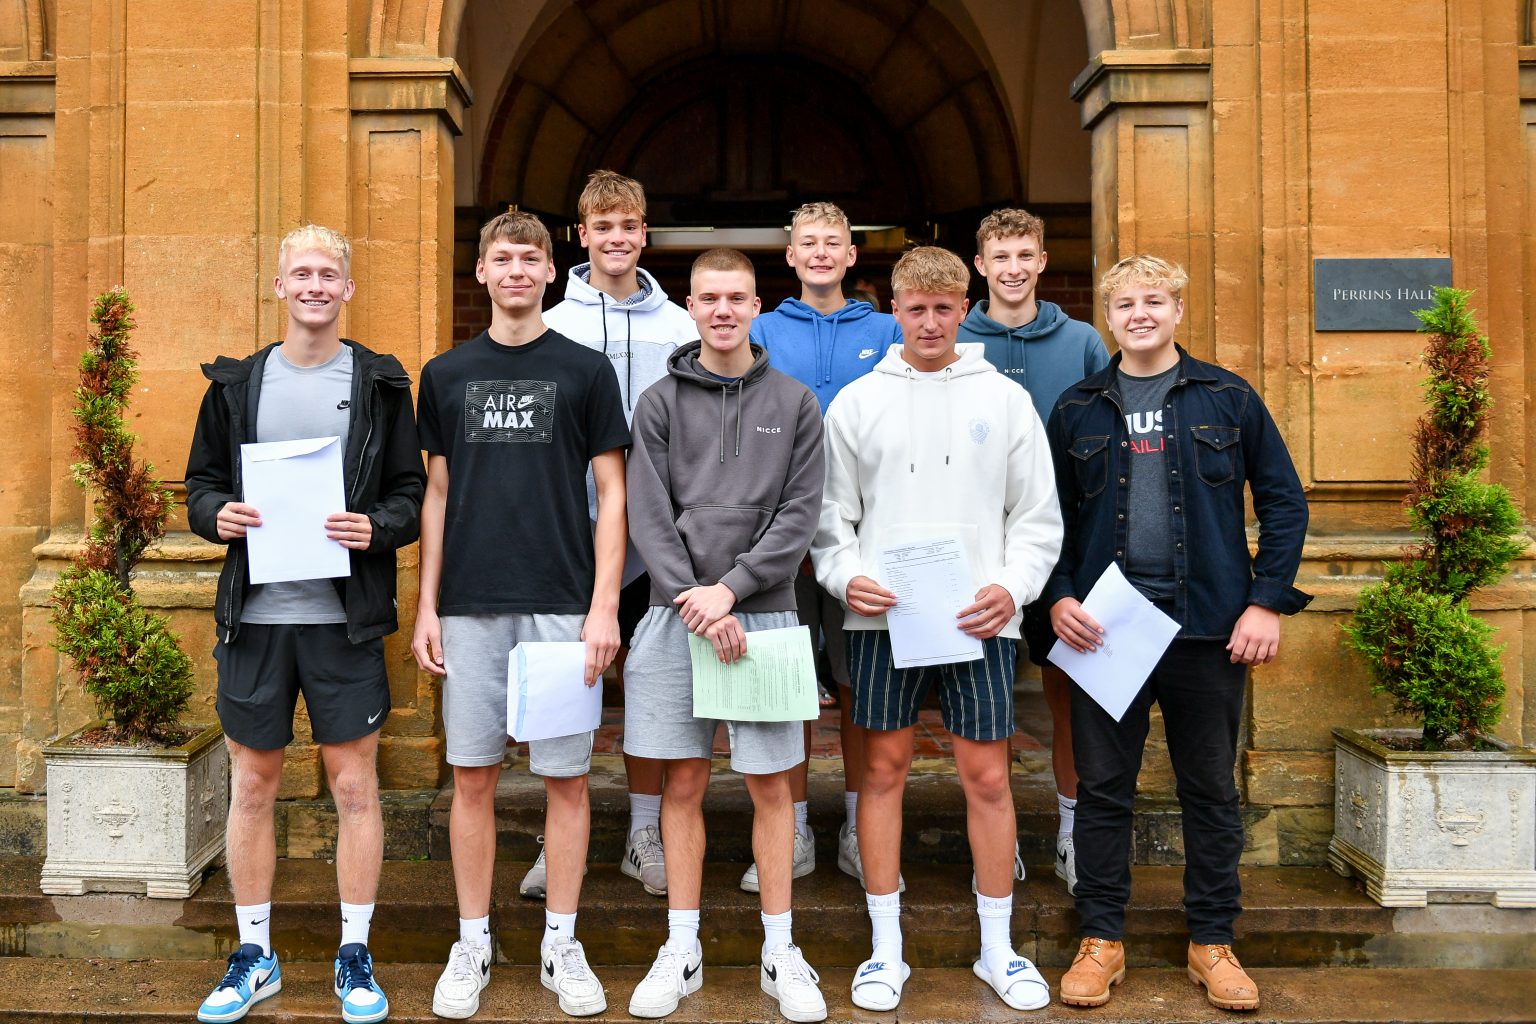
(301, 402)
(1149, 543)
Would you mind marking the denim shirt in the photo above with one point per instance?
(1219, 436)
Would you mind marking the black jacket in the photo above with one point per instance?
(383, 478)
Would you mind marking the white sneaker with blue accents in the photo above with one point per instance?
(362, 1001)
(1016, 982)
(252, 976)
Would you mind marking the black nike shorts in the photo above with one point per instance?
(263, 671)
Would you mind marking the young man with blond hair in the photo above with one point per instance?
(824, 340)
(322, 638)
(720, 574)
(511, 421)
(614, 307)
(1151, 456)
(933, 444)
(1044, 351)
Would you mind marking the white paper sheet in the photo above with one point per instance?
(547, 691)
(932, 582)
(1135, 636)
(294, 485)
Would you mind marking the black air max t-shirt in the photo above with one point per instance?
(519, 426)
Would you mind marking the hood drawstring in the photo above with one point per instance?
(831, 352)
(629, 361)
(725, 389)
(912, 381)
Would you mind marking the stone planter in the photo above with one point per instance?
(123, 819)
(1449, 827)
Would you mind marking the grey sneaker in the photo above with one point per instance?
(1066, 863)
(805, 862)
(644, 859)
(1018, 868)
(848, 861)
(534, 882)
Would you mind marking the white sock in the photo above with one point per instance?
(996, 941)
(1066, 810)
(644, 809)
(683, 929)
(885, 923)
(776, 931)
(475, 931)
(557, 928)
(851, 809)
(803, 817)
(256, 925)
(355, 919)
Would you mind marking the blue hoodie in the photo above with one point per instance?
(1045, 356)
(825, 353)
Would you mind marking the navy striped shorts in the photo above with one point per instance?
(976, 696)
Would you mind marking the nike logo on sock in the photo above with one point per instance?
(259, 921)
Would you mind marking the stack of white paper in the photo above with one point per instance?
(932, 582)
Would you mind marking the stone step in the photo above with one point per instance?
(155, 991)
(933, 817)
(1296, 917)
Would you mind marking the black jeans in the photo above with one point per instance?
(1200, 693)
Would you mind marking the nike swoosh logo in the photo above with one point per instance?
(524, 401)
(689, 972)
(1015, 968)
(485, 969)
(872, 968)
(772, 972)
(549, 968)
(259, 921)
(375, 716)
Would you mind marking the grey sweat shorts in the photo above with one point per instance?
(475, 649)
(658, 701)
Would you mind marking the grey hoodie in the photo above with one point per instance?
(725, 481)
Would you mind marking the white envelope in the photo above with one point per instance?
(1136, 633)
(547, 691)
(294, 485)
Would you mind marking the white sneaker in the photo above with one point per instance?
(848, 860)
(1018, 868)
(644, 859)
(804, 864)
(672, 976)
(1066, 862)
(457, 994)
(788, 978)
(564, 971)
(537, 879)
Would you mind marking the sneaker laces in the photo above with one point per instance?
(241, 964)
(792, 960)
(461, 963)
(355, 970)
(572, 961)
(647, 843)
(669, 967)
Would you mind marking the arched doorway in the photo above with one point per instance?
(908, 113)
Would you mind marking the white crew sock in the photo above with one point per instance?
(355, 919)
(885, 923)
(1066, 811)
(803, 818)
(475, 931)
(851, 808)
(644, 809)
(557, 928)
(996, 942)
(256, 925)
(776, 931)
(683, 929)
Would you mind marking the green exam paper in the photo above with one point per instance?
(775, 681)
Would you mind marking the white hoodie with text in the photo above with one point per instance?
(959, 452)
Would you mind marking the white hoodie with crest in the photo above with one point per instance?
(912, 456)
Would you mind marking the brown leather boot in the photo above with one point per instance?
(1227, 985)
(1099, 964)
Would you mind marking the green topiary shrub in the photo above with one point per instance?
(1424, 647)
(127, 657)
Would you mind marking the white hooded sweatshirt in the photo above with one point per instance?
(912, 456)
(637, 334)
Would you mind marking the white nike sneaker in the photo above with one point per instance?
(804, 864)
(645, 860)
(788, 978)
(564, 971)
(1066, 862)
(1018, 868)
(674, 974)
(457, 994)
(848, 860)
